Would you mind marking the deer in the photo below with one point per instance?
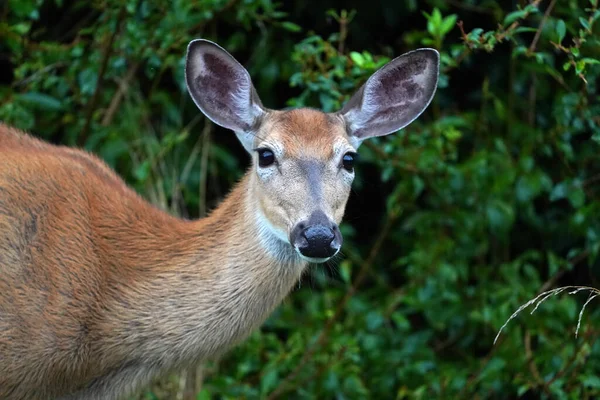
(102, 292)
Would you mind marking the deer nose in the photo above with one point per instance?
(317, 239)
(317, 242)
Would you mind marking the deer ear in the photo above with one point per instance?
(222, 89)
(394, 96)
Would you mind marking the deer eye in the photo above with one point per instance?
(348, 161)
(265, 157)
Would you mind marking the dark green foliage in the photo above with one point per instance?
(489, 198)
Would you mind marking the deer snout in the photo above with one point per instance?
(316, 239)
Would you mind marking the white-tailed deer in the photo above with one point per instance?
(100, 292)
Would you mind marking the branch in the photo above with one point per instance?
(116, 100)
(573, 261)
(324, 335)
(541, 26)
(535, 372)
(482, 367)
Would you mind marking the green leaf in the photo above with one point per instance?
(21, 8)
(434, 22)
(41, 101)
(525, 29)
(561, 30)
(357, 58)
(346, 271)
(584, 22)
(523, 389)
(500, 215)
(142, 171)
(554, 263)
(588, 60)
(591, 381)
(474, 34)
(290, 26)
(513, 16)
(519, 50)
(596, 137)
(447, 24)
(570, 189)
(560, 191)
(437, 16)
(204, 394)
(576, 197)
(88, 79)
(531, 8)
(531, 185)
(452, 134)
(269, 381)
(21, 28)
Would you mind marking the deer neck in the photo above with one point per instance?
(211, 283)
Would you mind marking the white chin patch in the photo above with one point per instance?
(313, 259)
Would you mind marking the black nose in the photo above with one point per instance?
(318, 242)
(317, 238)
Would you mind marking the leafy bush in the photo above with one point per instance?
(490, 198)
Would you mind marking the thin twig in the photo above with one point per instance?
(471, 8)
(344, 20)
(118, 97)
(200, 25)
(76, 28)
(591, 180)
(463, 34)
(482, 367)
(536, 38)
(187, 168)
(203, 184)
(535, 372)
(41, 71)
(573, 261)
(395, 162)
(326, 367)
(107, 52)
(588, 333)
(531, 113)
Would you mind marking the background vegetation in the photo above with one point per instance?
(491, 197)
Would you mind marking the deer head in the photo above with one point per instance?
(303, 159)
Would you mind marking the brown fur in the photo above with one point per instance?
(100, 291)
(307, 131)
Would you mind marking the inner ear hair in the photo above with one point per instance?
(394, 96)
(221, 87)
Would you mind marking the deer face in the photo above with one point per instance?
(303, 164)
(303, 158)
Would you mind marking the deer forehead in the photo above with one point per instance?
(304, 134)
